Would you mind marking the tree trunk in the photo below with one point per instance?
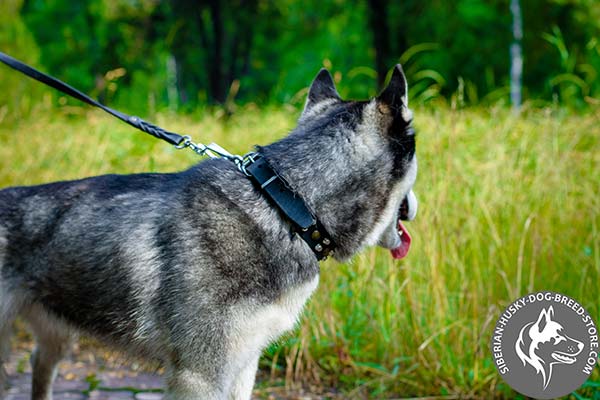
(242, 40)
(381, 37)
(216, 81)
(516, 57)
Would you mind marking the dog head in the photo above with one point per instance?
(355, 164)
(544, 343)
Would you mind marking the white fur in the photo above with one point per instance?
(244, 381)
(143, 257)
(390, 214)
(407, 114)
(3, 240)
(254, 327)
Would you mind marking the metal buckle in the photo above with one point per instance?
(248, 159)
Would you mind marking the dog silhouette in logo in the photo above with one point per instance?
(544, 343)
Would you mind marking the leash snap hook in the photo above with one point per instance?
(197, 148)
(213, 150)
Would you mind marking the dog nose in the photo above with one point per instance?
(580, 346)
(408, 208)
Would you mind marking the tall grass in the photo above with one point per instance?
(508, 205)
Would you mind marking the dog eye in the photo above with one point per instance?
(557, 339)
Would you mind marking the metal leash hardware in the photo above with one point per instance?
(248, 159)
(213, 150)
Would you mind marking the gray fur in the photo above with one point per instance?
(197, 269)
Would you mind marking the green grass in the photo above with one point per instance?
(508, 205)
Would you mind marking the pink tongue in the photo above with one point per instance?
(402, 250)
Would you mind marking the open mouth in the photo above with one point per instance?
(563, 358)
(407, 212)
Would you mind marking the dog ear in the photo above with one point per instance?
(543, 319)
(322, 88)
(395, 95)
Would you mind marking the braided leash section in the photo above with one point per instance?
(156, 131)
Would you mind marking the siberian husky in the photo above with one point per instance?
(199, 269)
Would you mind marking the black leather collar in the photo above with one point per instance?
(276, 189)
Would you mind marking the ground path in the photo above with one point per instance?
(85, 375)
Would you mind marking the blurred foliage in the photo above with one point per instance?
(509, 205)
(152, 54)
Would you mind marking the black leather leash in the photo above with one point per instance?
(136, 122)
(252, 165)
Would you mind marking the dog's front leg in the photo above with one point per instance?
(186, 384)
(244, 381)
